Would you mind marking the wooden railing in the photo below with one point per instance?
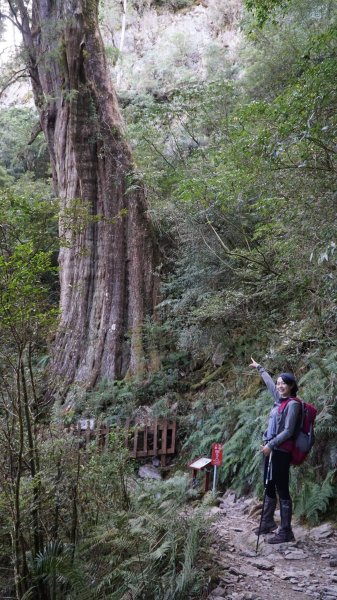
(153, 437)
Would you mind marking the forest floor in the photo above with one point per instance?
(305, 569)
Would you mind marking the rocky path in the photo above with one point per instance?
(301, 570)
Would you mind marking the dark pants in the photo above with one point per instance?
(278, 475)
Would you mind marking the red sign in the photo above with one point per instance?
(216, 455)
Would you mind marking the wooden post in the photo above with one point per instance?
(155, 437)
(201, 464)
(163, 444)
(145, 438)
(207, 476)
(173, 440)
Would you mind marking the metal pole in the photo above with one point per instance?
(264, 500)
(215, 473)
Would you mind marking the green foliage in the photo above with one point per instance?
(173, 4)
(154, 547)
(312, 499)
(56, 568)
(5, 179)
(27, 244)
(240, 186)
(29, 213)
(118, 400)
(238, 425)
(17, 155)
(107, 532)
(22, 274)
(26, 263)
(207, 422)
(262, 9)
(161, 389)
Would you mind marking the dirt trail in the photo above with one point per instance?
(305, 569)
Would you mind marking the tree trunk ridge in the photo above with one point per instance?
(108, 252)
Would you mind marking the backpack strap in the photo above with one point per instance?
(300, 417)
(288, 444)
(286, 401)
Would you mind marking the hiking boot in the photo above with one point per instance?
(281, 537)
(285, 533)
(267, 523)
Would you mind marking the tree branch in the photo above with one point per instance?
(320, 144)
(21, 74)
(9, 18)
(158, 151)
(37, 129)
(264, 264)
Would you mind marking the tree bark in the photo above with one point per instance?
(108, 254)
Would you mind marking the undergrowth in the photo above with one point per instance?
(154, 549)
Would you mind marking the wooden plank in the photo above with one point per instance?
(159, 438)
(145, 448)
(140, 441)
(174, 433)
(151, 438)
(141, 453)
(164, 438)
(170, 438)
(200, 463)
(155, 437)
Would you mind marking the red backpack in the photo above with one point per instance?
(304, 438)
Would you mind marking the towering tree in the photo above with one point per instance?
(107, 256)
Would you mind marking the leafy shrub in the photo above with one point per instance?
(153, 549)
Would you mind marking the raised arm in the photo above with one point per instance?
(267, 379)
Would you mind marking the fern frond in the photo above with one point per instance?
(313, 498)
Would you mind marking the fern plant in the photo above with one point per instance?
(152, 551)
(239, 426)
(58, 572)
(311, 499)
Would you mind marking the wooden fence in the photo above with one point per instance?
(156, 437)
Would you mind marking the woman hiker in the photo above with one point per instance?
(278, 443)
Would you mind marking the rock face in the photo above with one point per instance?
(155, 48)
(303, 569)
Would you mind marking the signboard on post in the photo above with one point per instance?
(216, 462)
(216, 455)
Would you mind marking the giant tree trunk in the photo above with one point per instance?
(107, 258)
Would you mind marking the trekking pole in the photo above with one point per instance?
(264, 500)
